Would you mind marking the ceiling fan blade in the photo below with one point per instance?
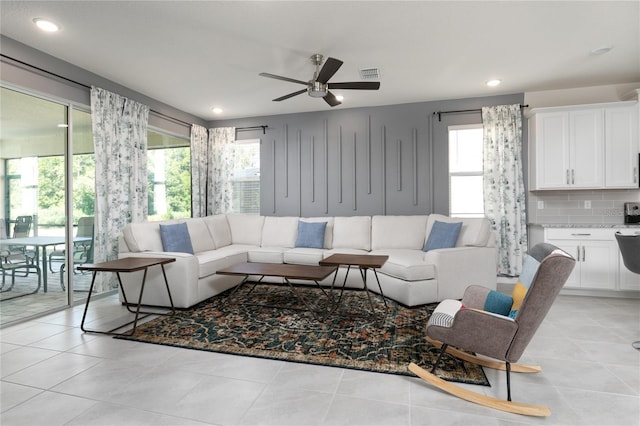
(356, 85)
(330, 67)
(290, 95)
(331, 99)
(278, 77)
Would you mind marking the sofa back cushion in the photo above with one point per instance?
(201, 239)
(398, 232)
(219, 229)
(245, 228)
(352, 232)
(279, 231)
(328, 230)
(144, 236)
(475, 231)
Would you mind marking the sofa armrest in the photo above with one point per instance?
(475, 297)
(459, 267)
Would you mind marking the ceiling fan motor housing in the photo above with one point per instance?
(317, 89)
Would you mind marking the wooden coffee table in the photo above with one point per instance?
(287, 272)
(363, 262)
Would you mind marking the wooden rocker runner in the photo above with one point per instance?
(491, 324)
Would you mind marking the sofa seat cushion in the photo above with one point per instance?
(210, 261)
(234, 249)
(343, 250)
(304, 256)
(406, 264)
(266, 254)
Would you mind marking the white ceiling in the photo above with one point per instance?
(194, 55)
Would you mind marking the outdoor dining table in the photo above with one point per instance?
(41, 243)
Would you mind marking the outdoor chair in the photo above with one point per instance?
(495, 325)
(12, 259)
(80, 257)
(84, 229)
(630, 250)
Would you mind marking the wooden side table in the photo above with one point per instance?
(127, 264)
(363, 262)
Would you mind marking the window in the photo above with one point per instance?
(169, 176)
(246, 176)
(465, 171)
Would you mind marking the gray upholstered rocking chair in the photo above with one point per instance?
(630, 250)
(495, 325)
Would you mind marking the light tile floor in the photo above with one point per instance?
(53, 374)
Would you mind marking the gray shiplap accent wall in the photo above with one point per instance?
(360, 161)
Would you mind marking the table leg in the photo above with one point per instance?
(363, 273)
(126, 303)
(44, 266)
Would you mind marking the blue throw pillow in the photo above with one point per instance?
(311, 234)
(175, 238)
(443, 235)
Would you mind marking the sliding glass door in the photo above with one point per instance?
(34, 142)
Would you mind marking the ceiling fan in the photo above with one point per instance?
(318, 86)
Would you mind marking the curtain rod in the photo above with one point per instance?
(439, 113)
(244, 129)
(160, 114)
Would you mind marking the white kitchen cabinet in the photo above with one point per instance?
(596, 253)
(584, 147)
(622, 146)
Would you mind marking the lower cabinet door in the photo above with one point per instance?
(598, 265)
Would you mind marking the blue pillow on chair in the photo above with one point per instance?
(311, 234)
(175, 238)
(443, 235)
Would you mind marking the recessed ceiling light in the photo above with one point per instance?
(340, 98)
(601, 50)
(46, 25)
(493, 83)
(217, 110)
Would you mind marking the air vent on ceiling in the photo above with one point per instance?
(370, 73)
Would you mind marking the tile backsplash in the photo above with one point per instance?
(579, 206)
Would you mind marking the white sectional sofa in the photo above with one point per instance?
(410, 276)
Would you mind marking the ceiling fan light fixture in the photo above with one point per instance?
(317, 89)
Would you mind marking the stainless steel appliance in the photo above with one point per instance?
(631, 212)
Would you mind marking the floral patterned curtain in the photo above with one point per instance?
(504, 192)
(199, 155)
(220, 170)
(120, 145)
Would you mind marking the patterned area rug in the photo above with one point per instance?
(348, 337)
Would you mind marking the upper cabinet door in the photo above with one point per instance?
(622, 147)
(551, 132)
(586, 136)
